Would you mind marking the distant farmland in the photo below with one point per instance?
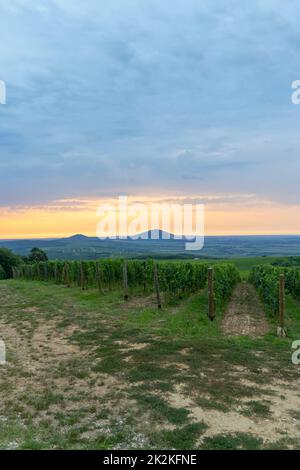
(81, 247)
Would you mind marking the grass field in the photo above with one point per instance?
(88, 371)
(244, 265)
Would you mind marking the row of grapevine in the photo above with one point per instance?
(266, 277)
(175, 279)
(179, 278)
(226, 276)
(105, 274)
(292, 280)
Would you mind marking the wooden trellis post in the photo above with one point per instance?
(45, 272)
(78, 275)
(145, 275)
(211, 295)
(156, 285)
(55, 273)
(82, 276)
(67, 275)
(98, 277)
(280, 329)
(125, 280)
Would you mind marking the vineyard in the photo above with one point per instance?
(168, 280)
(96, 346)
(174, 280)
(266, 278)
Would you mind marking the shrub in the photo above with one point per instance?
(8, 261)
(2, 273)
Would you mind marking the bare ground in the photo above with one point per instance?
(245, 314)
(50, 377)
(282, 401)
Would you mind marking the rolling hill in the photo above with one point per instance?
(80, 246)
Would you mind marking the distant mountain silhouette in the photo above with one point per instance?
(149, 235)
(157, 243)
(155, 234)
(77, 236)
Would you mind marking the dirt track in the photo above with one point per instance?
(245, 314)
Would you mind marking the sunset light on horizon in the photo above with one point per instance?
(222, 217)
(149, 230)
(97, 104)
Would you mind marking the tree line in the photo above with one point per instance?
(9, 260)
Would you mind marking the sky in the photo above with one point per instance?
(148, 98)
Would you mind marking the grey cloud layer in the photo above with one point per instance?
(130, 96)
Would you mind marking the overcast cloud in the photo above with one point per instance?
(149, 96)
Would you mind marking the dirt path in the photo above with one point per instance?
(245, 314)
(76, 378)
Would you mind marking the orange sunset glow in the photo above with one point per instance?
(65, 218)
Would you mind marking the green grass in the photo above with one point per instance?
(232, 442)
(256, 408)
(244, 265)
(180, 438)
(87, 371)
(160, 409)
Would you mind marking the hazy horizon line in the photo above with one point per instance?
(171, 234)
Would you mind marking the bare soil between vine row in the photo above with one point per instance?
(245, 314)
